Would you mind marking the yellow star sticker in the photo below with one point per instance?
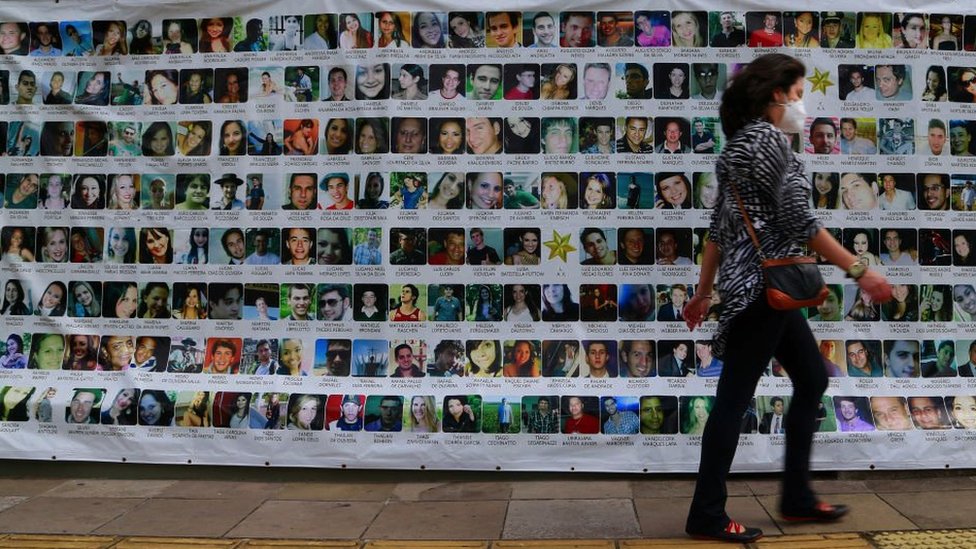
(820, 80)
(559, 246)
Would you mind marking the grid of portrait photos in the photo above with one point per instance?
(482, 223)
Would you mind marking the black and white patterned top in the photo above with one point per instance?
(776, 194)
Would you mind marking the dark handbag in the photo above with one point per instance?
(791, 282)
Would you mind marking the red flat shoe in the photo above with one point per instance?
(733, 532)
(821, 512)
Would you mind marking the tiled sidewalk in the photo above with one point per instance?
(233, 503)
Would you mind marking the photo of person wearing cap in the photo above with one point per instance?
(351, 418)
(833, 32)
(336, 184)
(227, 199)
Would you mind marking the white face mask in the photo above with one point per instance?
(794, 115)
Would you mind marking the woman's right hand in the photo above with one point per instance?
(875, 285)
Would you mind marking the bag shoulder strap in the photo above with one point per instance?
(749, 227)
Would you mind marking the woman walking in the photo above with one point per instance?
(762, 104)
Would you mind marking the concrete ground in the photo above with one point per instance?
(108, 504)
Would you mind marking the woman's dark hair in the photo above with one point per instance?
(481, 301)
(311, 25)
(142, 46)
(51, 134)
(206, 45)
(63, 306)
(19, 340)
(455, 203)
(530, 144)
(193, 253)
(570, 308)
(19, 411)
(129, 235)
(114, 291)
(166, 417)
(18, 306)
(529, 301)
(203, 148)
(172, 75)
(398, 37)
(531, 231)
(344, 245)
(100, 98)
(418, 42)
(224, 151)
(385, 92)
(495, 366)
(416, 71)
(941, 89)
(78, 201)
(247, 397)
(152, 130)
(868, 233)
(346, 147)
(970, 259)
(130, 414)
(459, 41)
(382, 139)
(148, 289)
(144, 234)
(751, 89)
(831, 196)
(890, 308)
(945, 313)
(7, 235)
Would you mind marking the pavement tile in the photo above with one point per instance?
(308, 519)
(28, 486)
(97, 488)
(673, 544)
(665, 518)
(296, 544)
(176, 543)
(452, 491)
(336, 491)
(407, 544)
(934, 484)
(681, 488)
(184, 517)
(571, 518)
(554, 544)
(463, 520)
(868, 513)
(947, 509)
(72, 516)
(6, 502)
(774, 487)
(572, 489)
(35, 541)
(222, 489)
(848, 540)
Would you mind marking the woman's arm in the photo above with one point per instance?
(871, 282)
(698, 306)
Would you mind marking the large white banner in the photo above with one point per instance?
(257, 233)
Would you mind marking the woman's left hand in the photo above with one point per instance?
(694, 312)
